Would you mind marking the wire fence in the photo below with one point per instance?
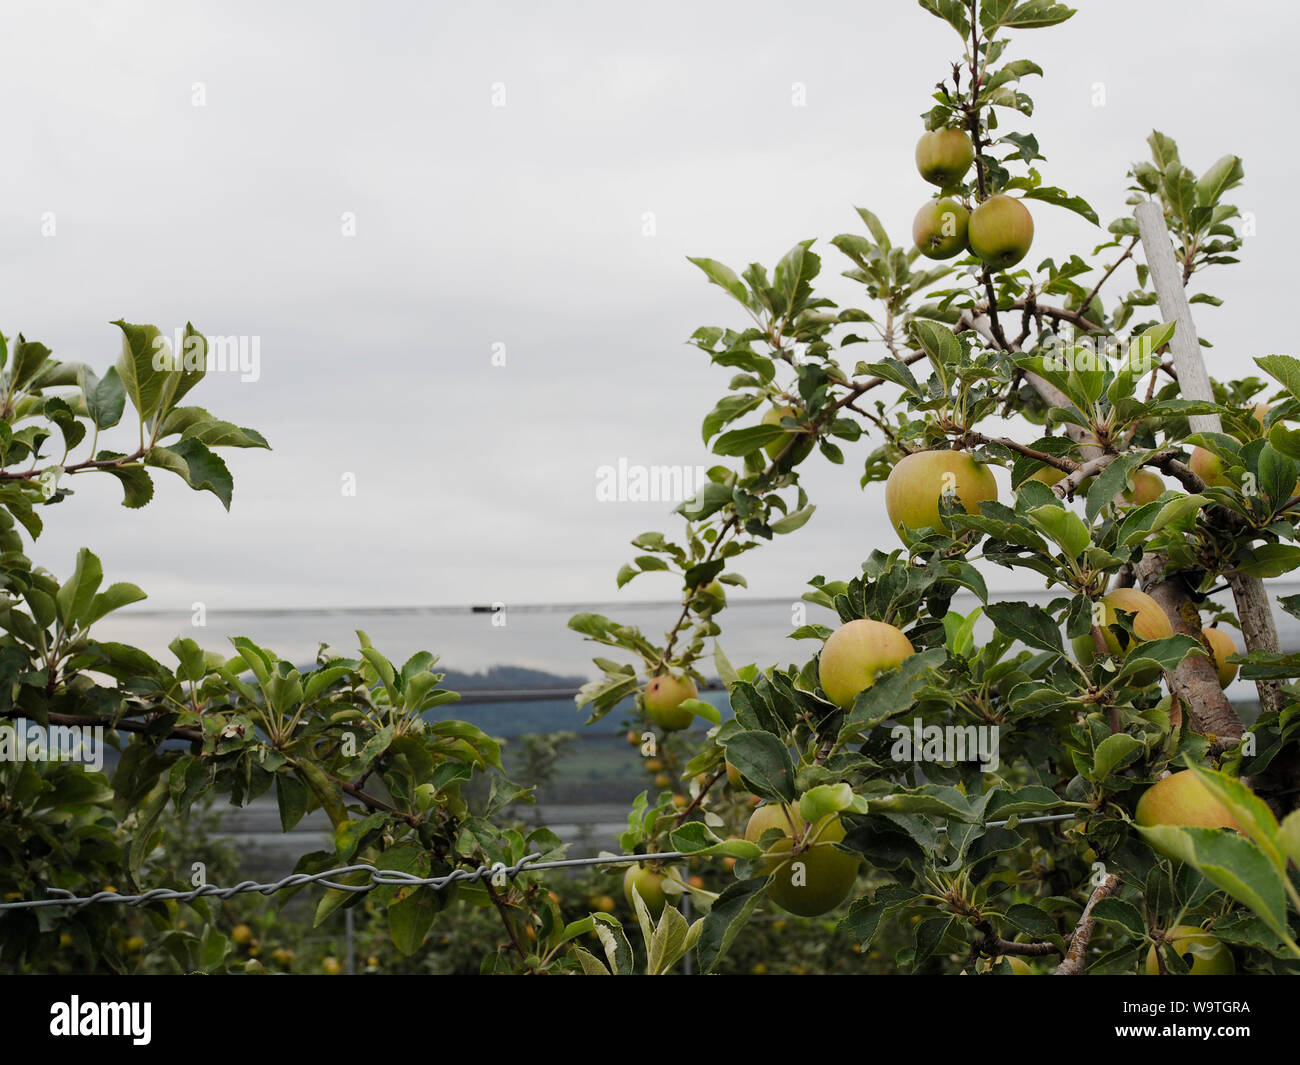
(496, 873)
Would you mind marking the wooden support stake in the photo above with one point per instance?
(1253, 609)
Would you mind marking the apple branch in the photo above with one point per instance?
(1076, 956)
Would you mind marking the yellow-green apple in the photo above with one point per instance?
(1181, 799)
(1000, 231)
(649, 884)
(1209, 467)
(1147, 488)
(814, 879)
(914, 486)
(939, 229)
(1222, 646)
(1202, 952)
(1149, 622)
(943, 156)
(664, 695)
(853, 655)
(802, 447)
(1048, 475)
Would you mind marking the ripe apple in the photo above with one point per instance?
(1048, 475)
(649, 884)
(733, 776)
(663, 695)
(939, 229)
(1203, 953)
(1147, 488)
(1181, 799)
(826, 875)
(1149, 622)
(853, 655)
(914, 486)
(801, 450)
(1209, 468)
(943, 156)
(1222, 646)
(1000, 231)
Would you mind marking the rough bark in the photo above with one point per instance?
(1196, 680)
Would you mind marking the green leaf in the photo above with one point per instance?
(1283, 368)
(695, 837)
(1060, 198)
(291, 797)
(1109, 483)
(1248, 809)
(726, 918)
(1231, 862)
(1064, 527)
(74, 598)
(794, 521)
(937, 341)
(892, 693)
(1035, 14)
(1115, 752)
(747, 441)
(105, 399)
(764, 762)
(723, 276)
(1123, 914)
(141, 379)
(114, 597)
(200, 468)
(1031, 625)
(1223, 174)
(137, 485)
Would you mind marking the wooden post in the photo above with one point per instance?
(1251, 598)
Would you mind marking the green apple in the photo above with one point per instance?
(1209, 468)
(801, 449)
(1203, 953)
(1147, 488)
(914, 486)
(1149, 622)
(939, 229)
(943, 156)
(1000, 231)
(1048, 475)
(853, 655)
(809, 881)
(1221, 645)
(1181, 799)
(649, 884)
(663, 698)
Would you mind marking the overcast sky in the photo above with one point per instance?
(524, 226)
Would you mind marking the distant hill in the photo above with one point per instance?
(509, 678)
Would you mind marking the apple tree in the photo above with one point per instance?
(1058, 786)
(361, 738)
